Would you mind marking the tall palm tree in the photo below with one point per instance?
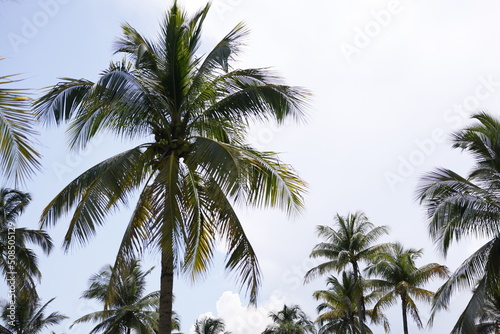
(28, 316)
(290, 320)
(401, 279)
(18, 158)
(339, 308)
(347, 243)
(191, 111)
(207, 325)
(15, 256)
(130, 311)
(460, 207)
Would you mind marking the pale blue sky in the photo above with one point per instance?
(391, 80)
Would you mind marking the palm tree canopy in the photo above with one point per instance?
(30, 316)
(130, 310)
(462, 207)
(18, 157)
(350, 240)
(290, 320)
(207, 325)
(12, 205)
(400, 278)
(192, 112)
(488, 322)
(338, 311)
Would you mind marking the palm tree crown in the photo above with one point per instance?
(338, 311)
(29, 316)
(130, 311)
(207, 325)
(191, 111)
(290, 320)
(23, 261)
(459, 207)
(347, 243)
(400, 278)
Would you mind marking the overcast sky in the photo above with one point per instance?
(390, 81)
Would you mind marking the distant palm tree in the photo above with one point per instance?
(460, 207)
(207, 325)
(338, 312)
(347, 243)
(18, 158)
(130, 311)
(400, 279)
(14, 254)
(290, 320)
(192, 113)
(28, 316)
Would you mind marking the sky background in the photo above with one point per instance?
(391, 80)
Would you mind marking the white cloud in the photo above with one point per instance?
(241, 319)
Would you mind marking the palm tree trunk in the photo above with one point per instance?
(166, 293)
(360, 301)
(405, 318)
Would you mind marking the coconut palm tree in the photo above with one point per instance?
(489, 321)
(347, 243)
(130, 311)
(290, 320)
(18, 158)
(461, 207)
(400, 278)
(16, 259)
(338, 312)
(481, 315)
(207, 325)
(26, 315)
(191, 112)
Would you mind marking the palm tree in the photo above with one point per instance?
(26, 315)
(18, 158)
(15, 257)
(130, 311)
(400, 278)
(459, 207)
(192, 112)
(339, 308)
(489, 321)
(347, 243)
(207, 325)
(290, 320)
